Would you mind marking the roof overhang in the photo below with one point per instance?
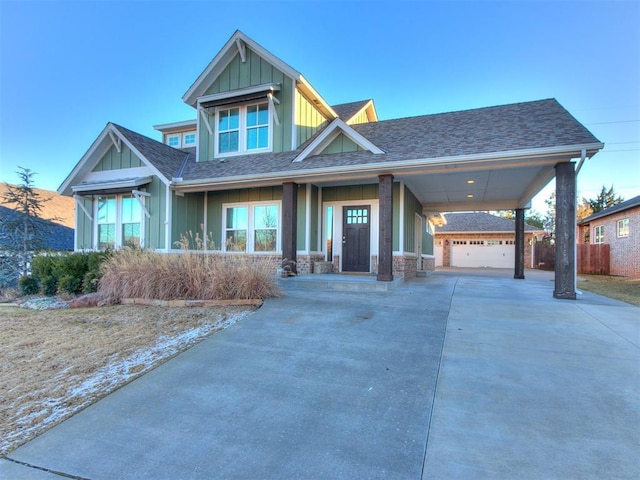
(512, 177)
(238, 96)
(176, 126)
(110, 186)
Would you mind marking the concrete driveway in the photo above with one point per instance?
(456, 375)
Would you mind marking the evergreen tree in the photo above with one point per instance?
(605, 199)
(21, 229)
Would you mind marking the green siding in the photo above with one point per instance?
(308, 119)
(314, 238)
(411, 207)
(187, 215)
(350, 193)
(157, 206)
(427, 243)
(341, 144)
(84, 226)
(255, 71)
(114, 160)
(215, 201)
(359, 118)
(301, 211)
(396, 216)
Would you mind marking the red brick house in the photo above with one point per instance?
(618, 226)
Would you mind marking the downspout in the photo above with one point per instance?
(583, 157)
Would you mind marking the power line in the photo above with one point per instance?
(616, 121)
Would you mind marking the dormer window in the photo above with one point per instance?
(181, 139)
(243, 129)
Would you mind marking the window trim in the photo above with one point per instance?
(618, 234)
(598, 234)
(118, 240)
(250, 245)
(242, 129)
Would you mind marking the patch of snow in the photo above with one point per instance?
(45, 303)
(118, 372)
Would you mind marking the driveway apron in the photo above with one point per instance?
(312, 385)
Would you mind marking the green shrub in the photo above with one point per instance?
(49, 285)
(28, 285)
(44, 266)
(70, 284)
(90, 282)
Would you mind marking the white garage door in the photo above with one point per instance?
(483, 253)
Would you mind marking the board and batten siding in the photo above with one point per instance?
(216, 200)
(308, 119)
(114, 160)
(411, 207)
(84, 226)
(154, 237)
(361, 117)
(254, 71)
(342, 144)
(350, 193)
(187, 216)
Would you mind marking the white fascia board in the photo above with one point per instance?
(111, 184)
(329, 134)
(374, 168)
(166, 127)
(310, 92)
(224, 56)
(98, 148)
(265, 87)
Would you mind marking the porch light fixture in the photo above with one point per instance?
(471, 181)
(470, 195)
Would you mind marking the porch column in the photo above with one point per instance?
(385, 246)
(519, 264)
(289, 223)
(565, 282)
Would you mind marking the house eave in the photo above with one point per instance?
(540, 156)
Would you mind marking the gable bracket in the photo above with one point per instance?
(272, 101)
(79, 203)
(241, 50)
(204, 114)
(116, 142)
(138, 194)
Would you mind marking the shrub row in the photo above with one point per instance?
(72, 273)
(187, 276)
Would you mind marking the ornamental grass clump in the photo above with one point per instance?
(189, 275)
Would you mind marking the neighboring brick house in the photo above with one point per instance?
(266, 167)
(618, 226)
(479, 239)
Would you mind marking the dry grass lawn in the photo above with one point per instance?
(56, 362)
(620, 288)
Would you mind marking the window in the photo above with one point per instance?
(189, 139)
(119, 222)
(598, 234)
(251, 228)
(243, 129)
(623, 228)
(174, 141)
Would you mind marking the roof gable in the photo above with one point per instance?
(351, 113)
(162, 160)
(326, 136)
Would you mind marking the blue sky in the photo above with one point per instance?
(68, 68)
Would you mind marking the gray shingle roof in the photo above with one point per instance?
(521, 126)
(165, 158)
(620, 207)
(347, 110)
(479, 222)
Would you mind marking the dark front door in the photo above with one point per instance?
(356, 239)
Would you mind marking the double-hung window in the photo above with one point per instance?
(598, 234)
(252, 227)
(243, 129)
(118, 222)
(623, 228)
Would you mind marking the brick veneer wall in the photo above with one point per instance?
(428, 263)
(624, 251)
(304, 263)
(446, 248)
(405, 266)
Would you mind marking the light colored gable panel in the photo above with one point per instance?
(342, 144)
(114, 160)
(308, 119)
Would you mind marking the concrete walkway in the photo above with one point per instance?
(457, 375)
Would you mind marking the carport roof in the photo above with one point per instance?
(472, 222)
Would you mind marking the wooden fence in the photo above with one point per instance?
(593, 259)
